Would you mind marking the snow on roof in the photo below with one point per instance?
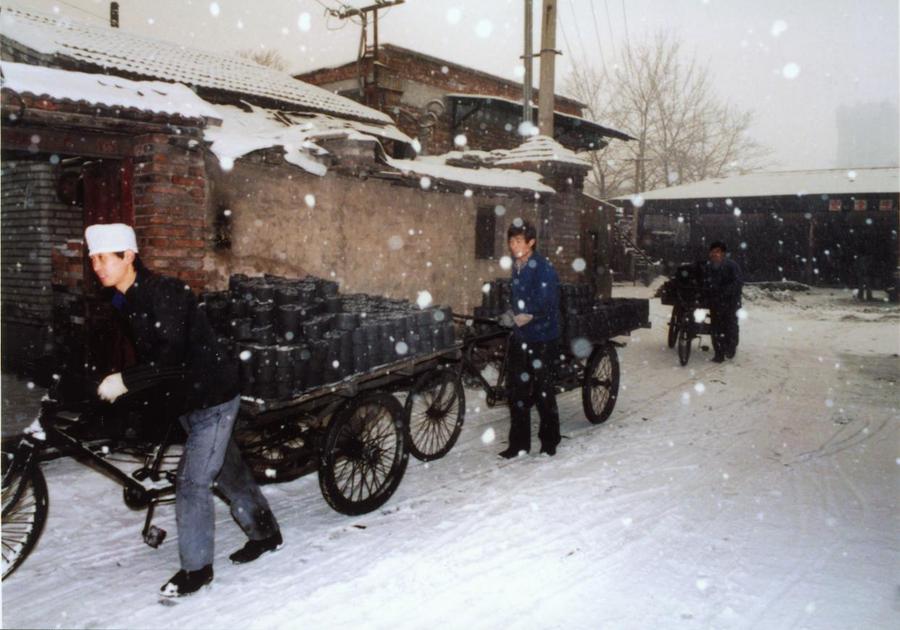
(541, 149)
(101, 89)
(114, 49)
(785, 183)
(434, 167)
(243, 132)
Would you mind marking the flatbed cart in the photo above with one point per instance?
(588, 356)
(354, 432)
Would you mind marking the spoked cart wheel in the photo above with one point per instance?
(435, 410)
(364, 454)
(600, 387)
(673, 327)
(278, 452)
(24, 510)
(684, 342)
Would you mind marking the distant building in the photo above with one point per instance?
(436, 101)
(809, 226)
(868, 135)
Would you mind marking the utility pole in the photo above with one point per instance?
(548, 68)
(528, 57)
(114, 14)
(367, 57)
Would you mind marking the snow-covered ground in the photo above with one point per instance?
(762, 493)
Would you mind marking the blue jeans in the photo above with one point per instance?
(212, 459)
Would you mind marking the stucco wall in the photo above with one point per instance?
(373, 236)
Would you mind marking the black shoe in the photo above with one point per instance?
(729, 355)
(512, 452)
(549, 449)
(255, 548)
(187, 582)
(718, 358)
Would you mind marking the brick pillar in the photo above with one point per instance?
(170, 197)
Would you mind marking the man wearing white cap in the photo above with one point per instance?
(178, 352)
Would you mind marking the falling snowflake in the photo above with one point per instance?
(506, 263)
(304, 22)
(214, 9)
(791, 70)
(401, 348)
(423, 299)
(454, 15)
(488, 436)
(778, 27)
(395, 242)
(460, 140)
(310, 200)
(484, 28)
(579, 265)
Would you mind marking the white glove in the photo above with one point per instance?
(112, 387)
(522, 319)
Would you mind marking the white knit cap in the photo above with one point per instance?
(103, 238)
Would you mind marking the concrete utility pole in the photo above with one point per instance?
(528, 57)
(548, 68)
(367, 58)
(114, 14)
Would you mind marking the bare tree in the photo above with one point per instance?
(683, 131)
(268, 57)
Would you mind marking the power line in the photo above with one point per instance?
(599, 39)
(625, 19)
(584, 55)
(77, 8)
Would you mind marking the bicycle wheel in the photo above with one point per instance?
(673, 328)
(684, 343)
(435, 410)
(364, 456)
(600, 387)
(25, 509)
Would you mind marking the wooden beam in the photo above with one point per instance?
(65, 141)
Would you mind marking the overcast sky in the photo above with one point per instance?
(792, 63)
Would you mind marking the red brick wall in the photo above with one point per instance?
(170, 200)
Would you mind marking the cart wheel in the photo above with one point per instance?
(364, 456)
(673, 328)
(600, 387)
(435, 410)
(684, 343)
(25, 509)
(275, 453)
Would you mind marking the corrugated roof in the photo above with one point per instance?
(785, 183)
(114, 49)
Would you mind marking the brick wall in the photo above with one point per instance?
(371, 235)
(34, 221)
(170, 207)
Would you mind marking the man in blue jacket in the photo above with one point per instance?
(534, 347)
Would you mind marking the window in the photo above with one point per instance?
(485, 232)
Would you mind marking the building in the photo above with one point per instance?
(809, 226)
(440, 102)
(223, 166)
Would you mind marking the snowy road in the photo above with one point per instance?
(758, 494)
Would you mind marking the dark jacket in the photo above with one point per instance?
(175, 344)
(535, 290)
(725, 282)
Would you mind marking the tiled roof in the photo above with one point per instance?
(105, 90)
(112, 50)
(541, 149)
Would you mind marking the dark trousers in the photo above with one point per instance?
(724, 324)
(531, 380)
